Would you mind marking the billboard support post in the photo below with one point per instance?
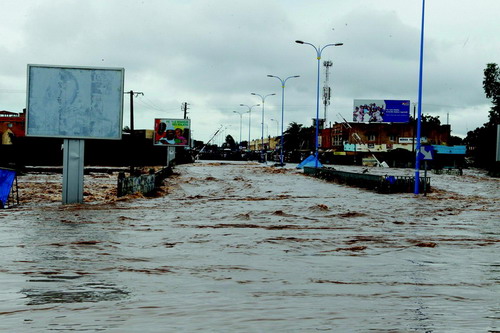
(73, 156)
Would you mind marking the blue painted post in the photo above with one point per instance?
(419, 116)
(282, 110)
(282, 120)
(316, 141)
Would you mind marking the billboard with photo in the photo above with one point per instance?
(172, 132)
(74, 102)
(381, 111)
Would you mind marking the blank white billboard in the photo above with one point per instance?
(74, 102)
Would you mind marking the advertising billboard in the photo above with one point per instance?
(74, 102)
(381, 111)
(172, 132)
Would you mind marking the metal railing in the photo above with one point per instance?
(381, 184)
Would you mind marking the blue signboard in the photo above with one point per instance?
(450, 150)
(381, 111)
(426, 153)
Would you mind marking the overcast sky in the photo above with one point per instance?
(214, 53)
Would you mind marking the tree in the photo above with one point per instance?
(297, 137)
(230, 142)
(427, 119)
(482, 141)
(491, 85)
(431, 120)
(455, 140)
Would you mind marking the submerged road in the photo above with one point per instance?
(241, 247)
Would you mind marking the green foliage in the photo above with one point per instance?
(230, 143)
(428, 119)
(482, 141)
(298, 137)
(491, 85)
(455, 141)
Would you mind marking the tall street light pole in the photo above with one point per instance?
(263, 99)
(249, 120)
(282, 110)
(319, 50)
(241, 118)
(419, 117)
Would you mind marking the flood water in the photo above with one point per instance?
(241, 247)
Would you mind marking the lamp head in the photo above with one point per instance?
(339, 44)
(299, 42)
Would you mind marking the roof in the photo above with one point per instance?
(8, 113)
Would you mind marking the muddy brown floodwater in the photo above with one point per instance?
(243, 247)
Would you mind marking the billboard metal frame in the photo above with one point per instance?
(117, 133)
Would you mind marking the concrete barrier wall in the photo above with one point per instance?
(141, 184)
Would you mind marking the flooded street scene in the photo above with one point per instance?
(250, 166)
(247, 247)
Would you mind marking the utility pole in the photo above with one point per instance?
(184, 109)
(326, 89)
(132, 94)
(413, 129)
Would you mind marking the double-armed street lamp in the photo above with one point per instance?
(241, 113)
(263, 99)
(319, 50)
(249, 120)
(282, 110)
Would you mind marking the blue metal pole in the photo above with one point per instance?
(249, 126)
(262, 127)
(317, 111)
(282, 119)
(319, 50)
(282, 109)
(419, 116)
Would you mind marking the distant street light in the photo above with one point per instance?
(277, 126)
(241, 117)
(263, 99)
(282, 110)
(249, 120)
(318, 56)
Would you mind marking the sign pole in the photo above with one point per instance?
(73, 157)
(425, 178)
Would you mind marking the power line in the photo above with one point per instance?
(154, 105)
(149, 105)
